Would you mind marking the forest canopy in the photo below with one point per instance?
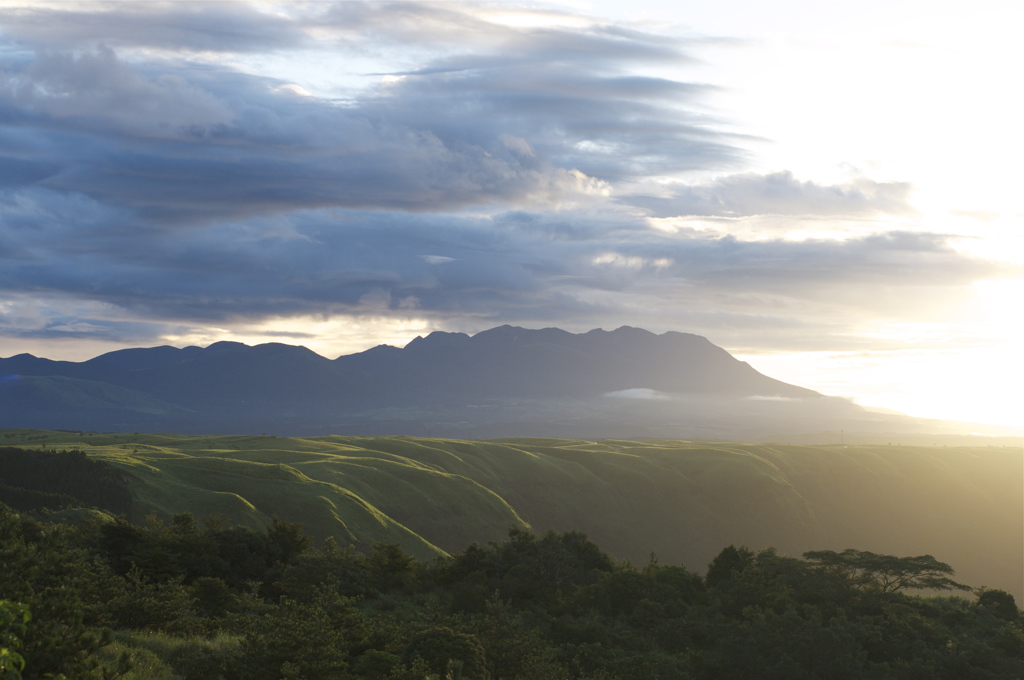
(198, 599)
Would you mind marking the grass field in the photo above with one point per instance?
(682, 501)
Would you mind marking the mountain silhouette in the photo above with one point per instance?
(503, 381)
(515, 362)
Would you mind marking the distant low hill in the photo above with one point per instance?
(683, 501)
(507, 381)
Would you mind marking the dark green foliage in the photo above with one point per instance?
(341, 570)
(458, 656)
(286, 541)
(298, 640)
(64, 587)
(550, 607)
(526, 568)
(668, 590)
(171, 657)
(30, 500)
(34, 480)
(795, 644)
(137, 603)
(389, 568)
(120, 541)
(14, 618)
(182, 549)
(377, 663)
(727, 564)
(515, 650)
(238, 556)
(213, 598)
(999, 603)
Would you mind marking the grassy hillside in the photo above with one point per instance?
(63, 394)
(682, 500)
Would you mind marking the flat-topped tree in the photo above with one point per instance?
(886, 573)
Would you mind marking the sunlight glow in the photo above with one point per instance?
(535, 18)
(331, 338)
(980, 385)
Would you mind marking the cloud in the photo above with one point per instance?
(778, 193)
(641, 393)
(445, 266)
(161, 174)
(60, 317)
(99, 92)
(530, 116)
(437, 259)
(17, 171)
(173, 26)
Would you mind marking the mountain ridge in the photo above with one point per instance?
(504, 381)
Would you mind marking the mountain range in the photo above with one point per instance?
(500, 382)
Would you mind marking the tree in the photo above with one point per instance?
(390, 567)
(299, 640)
(62, 585)
(514, 649)
(286, 540)
(728, 563)
(886, 573)
(341, 569)
(999, 603)
(14, 619)
(447, 653)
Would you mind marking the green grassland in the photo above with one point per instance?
(680, 500)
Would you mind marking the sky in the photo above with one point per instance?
(830, 191)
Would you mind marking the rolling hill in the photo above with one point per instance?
(681, 500)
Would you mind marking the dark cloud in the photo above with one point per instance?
(778, 193)
(181, 144)
(94, 91)
(177, 26)
(491, 114)
(609, 127)
(804, 268)
(373, 262)
(17, 171)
